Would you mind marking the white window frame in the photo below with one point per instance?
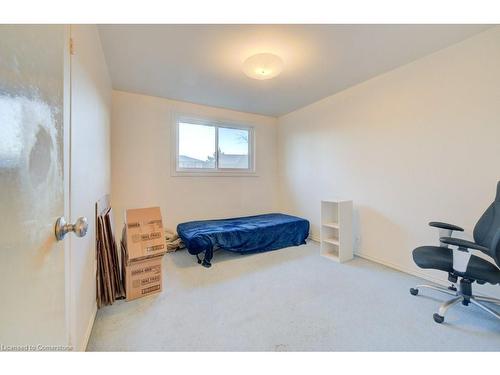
(216, 123)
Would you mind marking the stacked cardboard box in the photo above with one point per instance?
(143, 247)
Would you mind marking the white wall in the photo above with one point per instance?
(90, 168)
(140, 159)
(416, 144)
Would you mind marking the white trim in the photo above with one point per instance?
(216, 123)
(394, 266)
(422, 275)
(314, 238)
(88, 331)
(67, 180)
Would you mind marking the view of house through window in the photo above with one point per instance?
(233, 148)
(213, 147)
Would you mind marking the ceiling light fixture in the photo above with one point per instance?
(263, 66)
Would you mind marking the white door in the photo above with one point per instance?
(34, 266)
(52, 104)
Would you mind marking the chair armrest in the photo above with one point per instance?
(464, 244)
(441, 225)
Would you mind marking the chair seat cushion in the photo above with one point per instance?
(441, 258)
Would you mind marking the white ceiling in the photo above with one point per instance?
(203, 63)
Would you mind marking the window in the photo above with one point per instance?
(196, 146)
(207, 146)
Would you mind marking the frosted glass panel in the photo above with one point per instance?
(31, 184)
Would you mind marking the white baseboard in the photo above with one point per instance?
(88, 332)
(440, 281)
(397, 267)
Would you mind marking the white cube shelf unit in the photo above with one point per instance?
(336, 230)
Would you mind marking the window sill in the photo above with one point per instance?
(213, 174)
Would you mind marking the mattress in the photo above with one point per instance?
(251, 234)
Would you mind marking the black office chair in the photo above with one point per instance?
(461, 264)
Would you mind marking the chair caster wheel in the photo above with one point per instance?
(413, 291)
(438, 318)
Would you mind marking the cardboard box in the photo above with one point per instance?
(145, 236)
(143, 277)
(143, 247)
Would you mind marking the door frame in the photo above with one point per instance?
(67, 179)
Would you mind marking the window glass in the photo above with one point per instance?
(196, 146)
(233, 148)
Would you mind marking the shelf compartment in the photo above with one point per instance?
(331, 225)
(330, 250)
(332, 241)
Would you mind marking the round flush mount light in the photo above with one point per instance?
(263, 66)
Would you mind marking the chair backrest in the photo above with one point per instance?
(487, 229)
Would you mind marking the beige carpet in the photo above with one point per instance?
(288, 300)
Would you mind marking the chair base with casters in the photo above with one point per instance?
(462, 295)
(460, 263)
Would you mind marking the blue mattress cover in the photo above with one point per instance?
(244, 234)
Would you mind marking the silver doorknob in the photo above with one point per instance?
(79, 228)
